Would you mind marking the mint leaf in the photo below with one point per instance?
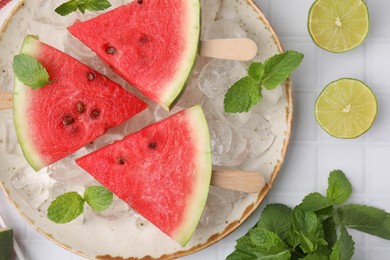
(367, 219)
(98, 197)
(242, 96)
(82, 5)
(96, 5)
(256, 70)
(67, 8)
(66, 208)
(260, 244)
(30, 71)
(344, 248)
(309, 230)
(339, 189)
(313, 202)
(276, 218)
(279, 67)
(329, 231)
(316, 256)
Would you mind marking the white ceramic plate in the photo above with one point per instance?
(121, 232)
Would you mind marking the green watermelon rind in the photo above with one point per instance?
(183, 74)
(197, 204)
(6, 243)
(29, 46)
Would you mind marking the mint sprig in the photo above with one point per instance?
(30, 71)
(316, 229)
(68, 206)
(82, 5)
(246, 92)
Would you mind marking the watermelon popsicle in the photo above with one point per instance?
(163, 171)
(152, 44)
(78, 105)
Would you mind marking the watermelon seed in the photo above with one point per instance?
(68, 120)
(91, 76)
(95, 113)
(153, 145)
(111, 50)
(139, 1)
(143, 39)
(80, 107)
(121, 160)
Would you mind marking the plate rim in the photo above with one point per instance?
(249, 210)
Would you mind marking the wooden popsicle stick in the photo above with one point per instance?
(242, 49)
(249, 182)
(5, 100)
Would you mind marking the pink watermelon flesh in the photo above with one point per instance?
(78, 106)
(152, 44)
(163, 171)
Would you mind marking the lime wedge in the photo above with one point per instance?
(6, 243)
(338, 25)
(346, 108)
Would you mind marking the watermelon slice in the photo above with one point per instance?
(78, 106)
(163, 171)
(150, 43)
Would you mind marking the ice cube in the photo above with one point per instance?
(139, 121)
(219, 205)
(217, 77)
(191, 96)
(77, 49)
(224, 29)
(259, 134)
(33, 187)
(161, 113)
(209, 11)
(228, 11)
(229, 146)
(44, 13)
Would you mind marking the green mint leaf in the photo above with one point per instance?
(260, 243)
(30, 71)
(277, 219)
(238, 255)
(309, 230)
(316, 256)
(344, 248)
(267, 241)
(82, 8)
(98, 197)
(367, 219)
(242, 96)
(67, 8)
(66, 208)
(279, 67)
(313, 202)
(96, 5)
(329, 231)
(256, 70)
(82, 5)
(340, 189)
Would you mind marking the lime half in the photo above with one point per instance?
(346, 108)
(338, 25)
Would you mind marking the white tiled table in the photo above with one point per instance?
(312, 153)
